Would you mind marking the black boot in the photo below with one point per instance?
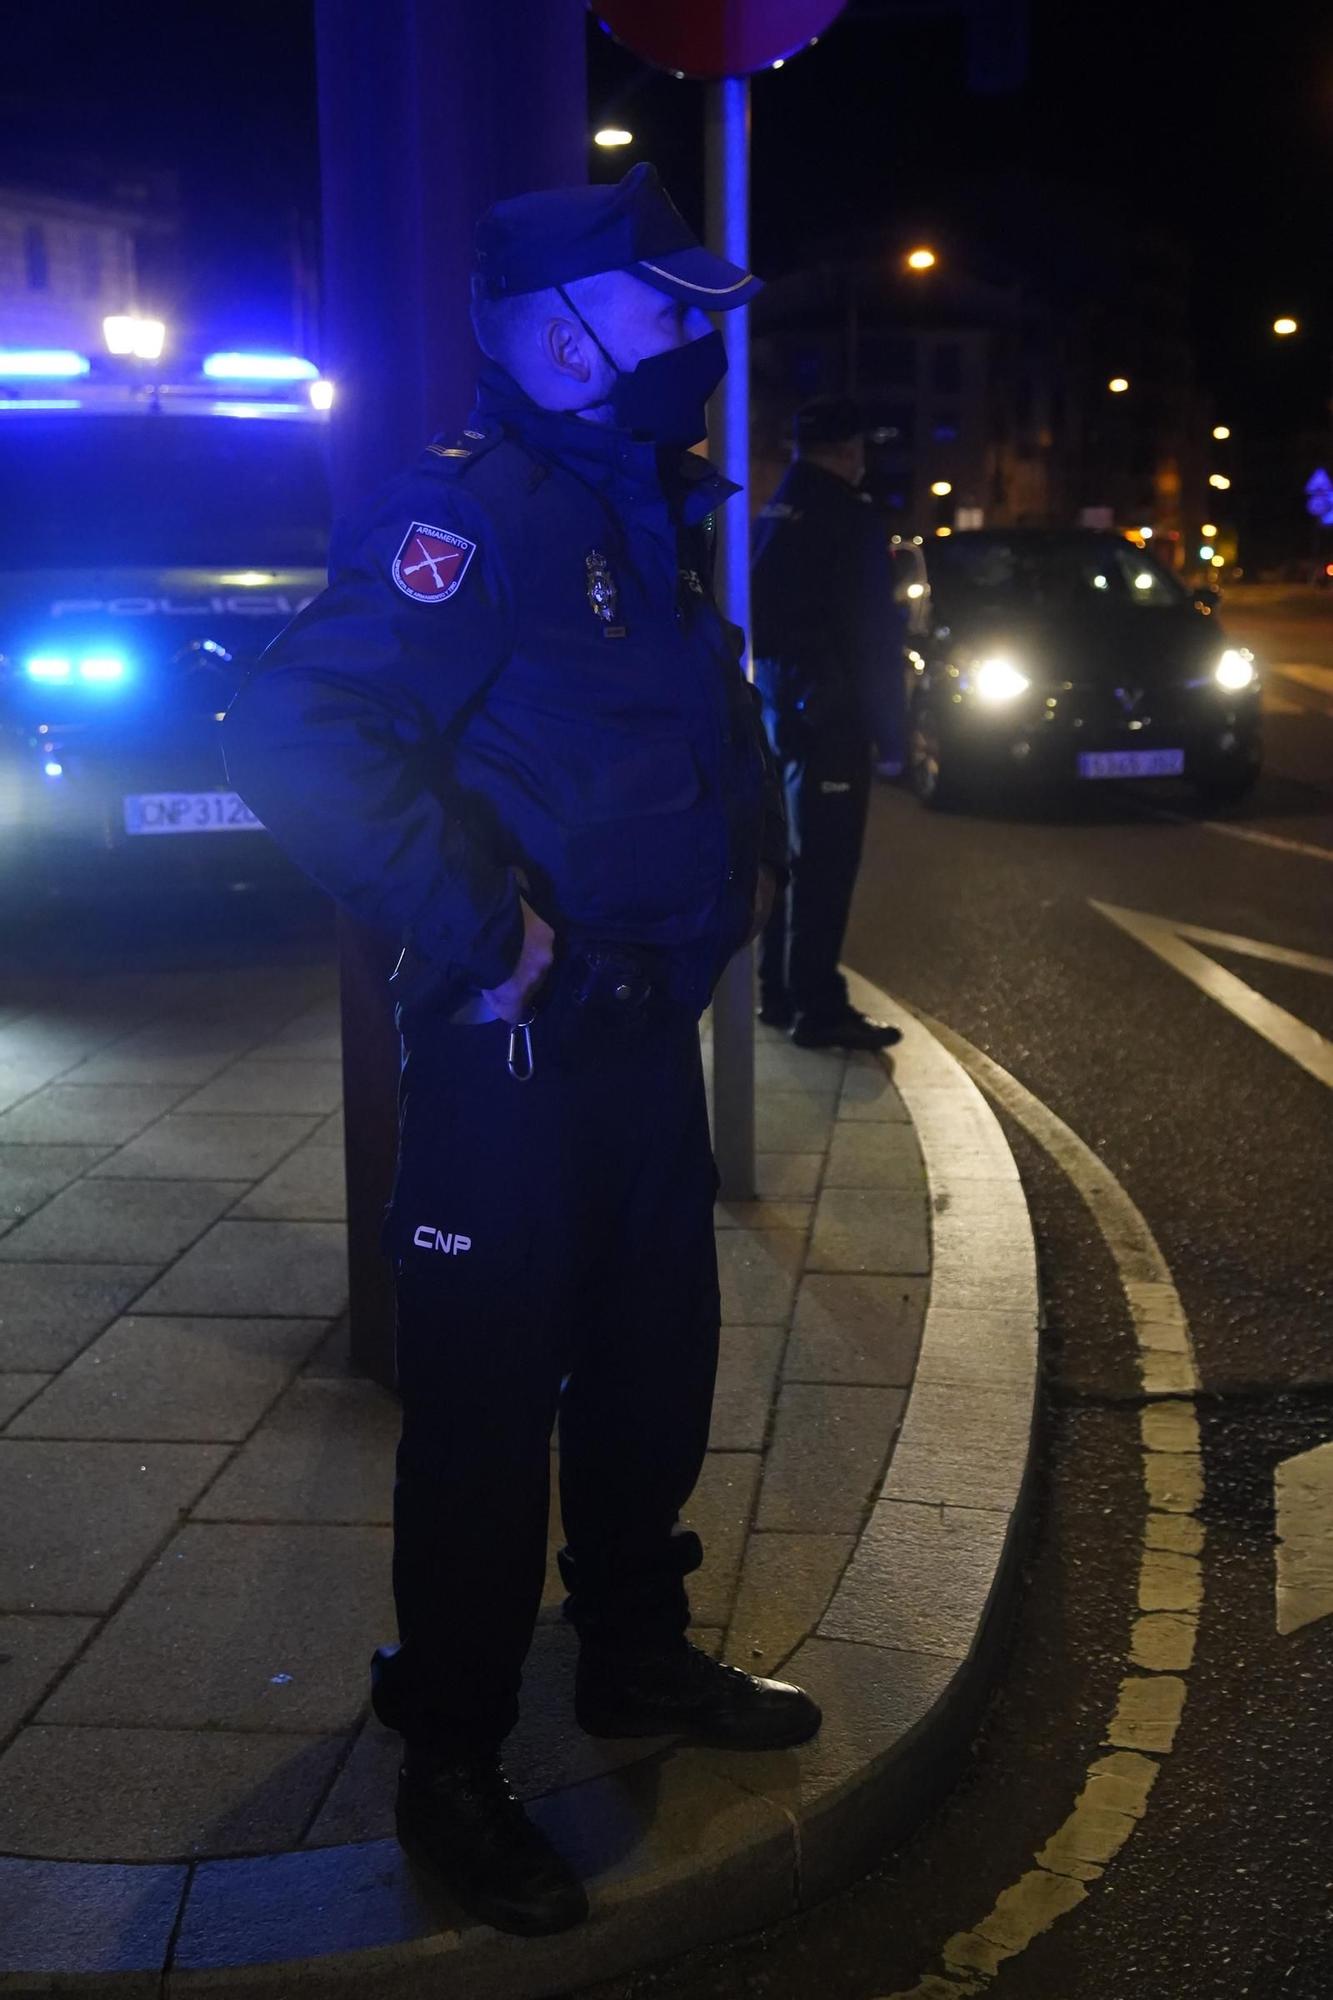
(456, 1813)
(845, 1031)
(776, 1010)
(678, 1690)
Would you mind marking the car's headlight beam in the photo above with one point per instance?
(998, 680)
(1235, 669)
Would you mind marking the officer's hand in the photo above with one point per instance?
(513, 1001)
(765, 890)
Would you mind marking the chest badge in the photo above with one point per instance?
(603, 597)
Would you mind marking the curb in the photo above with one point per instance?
(691, 1849)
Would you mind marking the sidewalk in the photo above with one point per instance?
(196, 1491)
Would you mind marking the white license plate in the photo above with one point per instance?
(1131, 763)
(189, 812)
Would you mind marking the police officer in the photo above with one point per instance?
(827, 640)
(514, 731)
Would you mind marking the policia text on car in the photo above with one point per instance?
(514, 731)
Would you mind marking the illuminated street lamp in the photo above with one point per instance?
(1117, 385)
(941, 532)
(612, 135)
(1219, 480)
(921, 259)
(1284, 326)
(1221, 431)
(1209, 531)
(940, 487)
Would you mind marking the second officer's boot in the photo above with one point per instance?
(457, 1814)
(677, 1690)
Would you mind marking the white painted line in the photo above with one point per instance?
(1292, 1038)
(1243, 947)
(1151, 1696)
(1304, 1491)
(1250, 833)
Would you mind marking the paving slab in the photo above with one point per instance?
(34, 1651)
(980, 1346)
(16, 1389)
(874, 1153)
(140, 1222)
(171, 1378)
(159, 1794)
(758, 1272)
(256, 1084)
(747, 1371)
(720, 1509)
(80, 1519)
(920, 1578)
(330, 1131)
(828, 1450)
(88, 1114)
(325, 1452)
(788, 1121)
(30, 1175)
(959, 1448)
(333, 1356)
(869, 1092)
(221, 1145)
(763, 1215)
(49, 1311)
(786, 1583)
(258, 1267)
(854, 1327)
(310, 1185)
(788, 1176)
(879, 1229)
(67, 1926)
(253, 1627)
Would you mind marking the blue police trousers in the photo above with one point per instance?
(553, 1250)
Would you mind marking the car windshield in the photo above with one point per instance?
(155, 492)
(967, 571)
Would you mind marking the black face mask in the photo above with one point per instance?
(664, 398)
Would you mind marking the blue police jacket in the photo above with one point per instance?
(517, 676)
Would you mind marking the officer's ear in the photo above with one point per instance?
(567, 348)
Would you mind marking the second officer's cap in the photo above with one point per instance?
(828, 420)
(537, 240)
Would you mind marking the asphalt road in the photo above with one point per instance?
(1226, 1145)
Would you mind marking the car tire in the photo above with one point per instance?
(933, 784)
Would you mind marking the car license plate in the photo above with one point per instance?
(189, 812)
(1131, 763)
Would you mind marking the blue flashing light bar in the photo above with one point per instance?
(50, 363)
(259, 368)
(59, 668)
(21, 407)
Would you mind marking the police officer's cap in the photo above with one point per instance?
(828, 420)
(549, 238)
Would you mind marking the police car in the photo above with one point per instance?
(155, 534)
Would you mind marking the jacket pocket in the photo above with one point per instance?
(634, 826)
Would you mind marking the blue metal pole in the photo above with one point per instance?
(728, 228)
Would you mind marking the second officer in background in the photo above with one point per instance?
(827, 648)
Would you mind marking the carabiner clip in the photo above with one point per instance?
(523, 1074)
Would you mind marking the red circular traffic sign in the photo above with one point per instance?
(711, 38)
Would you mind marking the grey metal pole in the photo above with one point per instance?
(728, 227)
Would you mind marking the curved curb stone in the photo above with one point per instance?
(689, 1848)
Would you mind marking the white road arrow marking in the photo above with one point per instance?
(1304, 1491)
(1292, 1037)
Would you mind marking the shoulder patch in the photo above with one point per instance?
(431, 562)
(449, 450)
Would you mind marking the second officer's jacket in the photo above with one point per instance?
(517, 673)
(827, 632)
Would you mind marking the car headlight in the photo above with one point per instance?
(1235, 669)
(998, 680)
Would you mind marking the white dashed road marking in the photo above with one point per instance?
(1160, 1653)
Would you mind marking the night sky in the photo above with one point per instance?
(1220, 133)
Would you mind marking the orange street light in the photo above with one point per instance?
(1285, 326)
(1118, 385)
(921, 259)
